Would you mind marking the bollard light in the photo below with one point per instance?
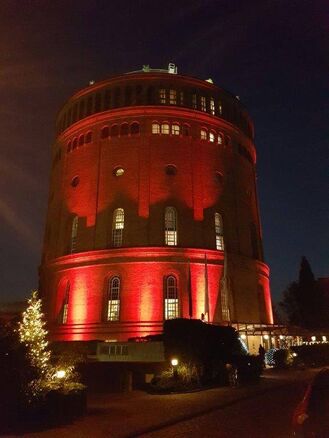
(174, 362)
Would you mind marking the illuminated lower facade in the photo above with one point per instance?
(153, 211)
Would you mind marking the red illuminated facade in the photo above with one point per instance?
(153, 210)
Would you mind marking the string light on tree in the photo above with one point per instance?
(33, 334)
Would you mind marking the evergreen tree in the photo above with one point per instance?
(33, 335)
(303, 301)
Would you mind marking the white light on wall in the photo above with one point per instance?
(266, 336)
(313, 338)
(174, 362)
(324, 338)
(243, 336)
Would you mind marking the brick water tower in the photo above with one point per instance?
(153, 210)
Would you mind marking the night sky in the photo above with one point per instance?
(274, 54)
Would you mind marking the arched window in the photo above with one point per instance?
(212, 137)
(220, 139)
(124, 129)
(117, 227)
(165, 129)
(75, 143)
(105, 132)
(155, 128)
(175, 129)
(134, 128)
(220, 107)
(74, 233)
(65, 306)
(113, 299)
(114, 130)
(81, 140)
(219, 232)
(171, 304)
(203, 134)
(170, 226)
(89, 137)
(69, 146)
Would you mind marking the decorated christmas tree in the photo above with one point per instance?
(33, 334)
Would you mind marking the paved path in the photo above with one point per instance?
(138, 413)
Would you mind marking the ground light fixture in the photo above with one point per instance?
(60, 374)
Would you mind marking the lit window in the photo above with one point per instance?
(155, 128)
(211, 137)
(212, 106)
(118, 171)
(117, 227)
(74, 233)
(219, 232)
(225, 304)
(65, 307)
(220, 139)
(194, 104)
(113, 299)
(165, 128)
(172, 97)
(162, 94)
(171, 305)
(203, 134)
(175, 129)
(203, 104)
(170, 226)
(220, 107)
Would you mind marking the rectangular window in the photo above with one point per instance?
(165, 128)
(171, 237)
(181, 98)
(171, 308)
(194, 102)
(203, 104)
(172, 97)
(113, 310)
(65, 312)
(162, 95)
(220, 107)
(175, 129)
(219, 242)
(212, 106)
(155, 128)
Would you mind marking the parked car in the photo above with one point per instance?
(311, 417)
